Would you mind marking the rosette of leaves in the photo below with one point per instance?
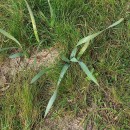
(75, 56)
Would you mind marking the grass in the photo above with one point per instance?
(18, 109)
(101, 107)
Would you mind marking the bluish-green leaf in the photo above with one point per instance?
(53, 98)
(36, 77)
(16, 55)
(74, 60)
(83, 49)
(50, 103)
(90, 37)
(73, 53)
(10, 37)
(116, 23)
(65, 59)
(87, 72)
(63, 71)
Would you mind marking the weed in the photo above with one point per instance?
(99, 107)
(86, 42)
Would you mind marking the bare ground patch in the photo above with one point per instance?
(63, 123)
(10, 67)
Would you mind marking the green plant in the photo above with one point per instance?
(23, 52)
(74, 57)
(99, 107)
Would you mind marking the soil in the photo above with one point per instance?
(10, 67)
(63, 123)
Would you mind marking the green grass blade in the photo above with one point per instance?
(83, 49)
(50, 103)
(53, 98)
(73, 53)
(10, 37)
(63, 71)
(33, 22)
(90, 37)
(74, 60)
(5, 49)
(65, 59)
(52, 14)
(116, 23)
(87, 72)
(36, 77)
(51, 10)
(16, 55)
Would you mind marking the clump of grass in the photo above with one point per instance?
(102, 107)
(21, 105)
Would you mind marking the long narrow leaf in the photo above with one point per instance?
(33, 21)
(10, 37)
(73, 53)
(83, 49)
(52, 14)
(90, 37)
(50, 103)
(65, 59)
(16, 55)
(63, 71)
(53, 98)
(116, 23)
(36, 77)
(51, 10)
(87, 72)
